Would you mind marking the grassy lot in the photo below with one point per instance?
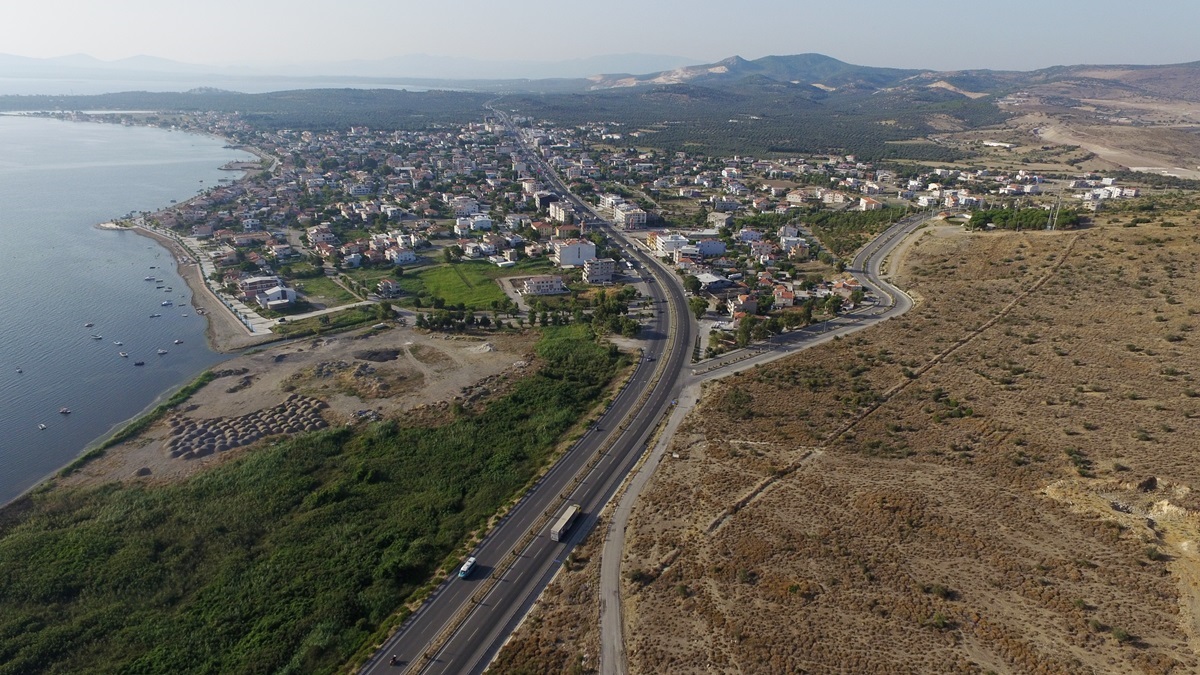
(323, 291)
(287, 559)
(334, 321)
(469, 282)
(370, 276)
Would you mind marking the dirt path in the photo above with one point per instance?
(1136, 160)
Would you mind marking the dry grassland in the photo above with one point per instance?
(1000, 481)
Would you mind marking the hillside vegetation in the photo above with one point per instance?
(288, 559)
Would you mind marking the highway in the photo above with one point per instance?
(463, 624)
(889, 302)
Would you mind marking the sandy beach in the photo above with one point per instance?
(226, 334)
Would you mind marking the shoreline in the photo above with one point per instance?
(225, 333)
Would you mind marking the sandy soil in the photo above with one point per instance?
(1141, 149)
(399, 371)
(225, 332)
(998, 481)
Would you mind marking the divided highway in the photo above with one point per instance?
(464, 623)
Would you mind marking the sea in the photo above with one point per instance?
(74, 296)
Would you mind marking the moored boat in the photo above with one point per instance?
(64, 411)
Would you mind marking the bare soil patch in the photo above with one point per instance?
(1014, 490)
(347, 378)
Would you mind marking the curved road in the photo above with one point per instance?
(866, 268)
(464, 623)
(462, 626)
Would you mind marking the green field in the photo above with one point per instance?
(332, 322)
(471, 283)
(290, 558)
(323, 291)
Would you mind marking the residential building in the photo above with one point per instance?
(609, 201)
(543, 285)
(401, 256)
(629, 217)
(561, 212)
(252, 286)
(388, 288)
(276, 297)
(572, 252)
(747, 304)
(710, 247)
(599, 270)
(717, 219)
(666, 244)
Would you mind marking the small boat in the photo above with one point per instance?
(64, 411)
(88, 324)
(161, 352)
(183, 315)
(19, 370)
(139, 363)
(166, 303)
(123, 355)
(42, 427)
(118, 343)
(179, 342)
(147, 278)
(155, 316)
(97, 337)
(167, 289)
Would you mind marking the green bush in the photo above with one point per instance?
(287, 559)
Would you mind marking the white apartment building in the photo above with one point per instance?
(599, 271)
(629, 217)
(572, 252)
(666, 244)
(544, 285)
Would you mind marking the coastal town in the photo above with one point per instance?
(742, 366)
(455, 226)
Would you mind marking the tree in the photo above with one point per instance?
(691, 284)
(745, 330)
(699, 306)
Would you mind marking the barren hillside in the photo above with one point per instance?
(1000, 481)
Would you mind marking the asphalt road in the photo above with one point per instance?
(889, 302)
(513, 567)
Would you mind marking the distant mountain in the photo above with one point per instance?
(412, 66)
(816, 70)
(808, 76)
(460, 68)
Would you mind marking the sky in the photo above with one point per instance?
(933, 34)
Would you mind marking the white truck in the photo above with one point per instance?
(564, 523)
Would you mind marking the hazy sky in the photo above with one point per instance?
(935, 34)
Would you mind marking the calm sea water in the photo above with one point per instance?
(59, 272)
